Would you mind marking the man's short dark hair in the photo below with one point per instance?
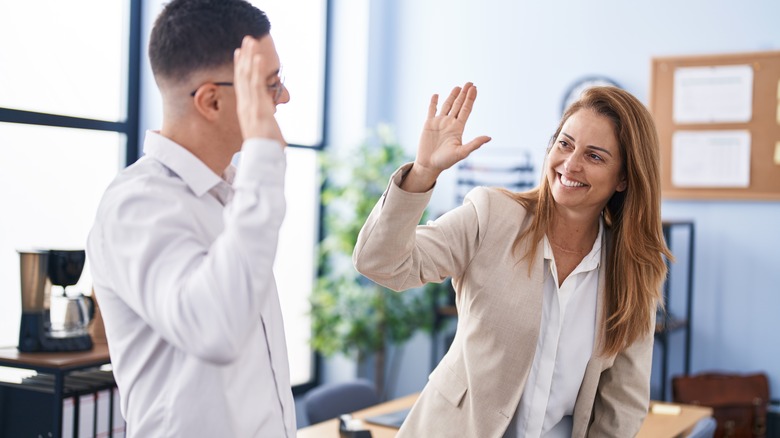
(191, 35)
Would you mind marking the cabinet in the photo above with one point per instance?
(33, 406)
(666, 323)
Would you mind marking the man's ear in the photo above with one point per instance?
(207, 101)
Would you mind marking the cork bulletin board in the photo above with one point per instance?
(718, 120)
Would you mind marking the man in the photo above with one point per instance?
(183, 245)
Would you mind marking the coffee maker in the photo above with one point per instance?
(52, 318)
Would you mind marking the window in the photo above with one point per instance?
(66, 126)
(67, 58)
(295, 269)
(299, 32)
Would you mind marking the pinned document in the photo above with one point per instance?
(722, 94)
(778, 101)
(665, 409)
(702, 159)
(777, 153)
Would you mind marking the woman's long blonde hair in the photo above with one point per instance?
(635, 267)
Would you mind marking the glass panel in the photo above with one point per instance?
(53, 180)
(300, 41)
(294, 268)
(64, 57)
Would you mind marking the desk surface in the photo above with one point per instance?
(655, 425)
(98, 355)
(660, 425)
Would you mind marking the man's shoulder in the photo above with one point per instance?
(146, 169)
(146, 179)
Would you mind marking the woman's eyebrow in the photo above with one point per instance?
(598, 148)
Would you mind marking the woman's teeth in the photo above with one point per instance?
(570, 183)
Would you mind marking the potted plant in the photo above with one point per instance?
(350, 313)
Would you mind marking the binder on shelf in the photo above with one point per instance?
(67, 417)
(118, 420)
(87, 416)
(103, 399)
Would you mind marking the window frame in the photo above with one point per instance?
(128, 127)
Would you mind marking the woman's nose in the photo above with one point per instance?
(573, 163)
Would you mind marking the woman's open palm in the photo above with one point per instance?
(441, 142)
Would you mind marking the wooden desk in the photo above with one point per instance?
(48, 362)
(660, 425)
(655, 425)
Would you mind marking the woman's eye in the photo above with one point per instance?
(596, 157)
(563, 143)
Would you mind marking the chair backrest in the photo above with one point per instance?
(704, 428)
(333, 399)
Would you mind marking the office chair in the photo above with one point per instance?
(704, 428)
(333, 399)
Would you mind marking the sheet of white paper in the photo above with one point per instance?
(713, 94)
(67, 418)
(711, 159)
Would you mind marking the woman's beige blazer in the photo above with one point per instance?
(476, 387)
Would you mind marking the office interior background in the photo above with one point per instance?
(382, 61)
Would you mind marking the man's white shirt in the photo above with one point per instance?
(182, 265)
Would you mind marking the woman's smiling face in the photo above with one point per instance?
(584, 165)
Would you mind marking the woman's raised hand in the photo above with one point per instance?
(441, 142)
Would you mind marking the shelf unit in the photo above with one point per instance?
(666, 323)
(60, 376)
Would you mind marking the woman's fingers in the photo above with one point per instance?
(432, 106)
(475, 144)
(468, 104)
(445, 108)
(456, 106)
(466, 149)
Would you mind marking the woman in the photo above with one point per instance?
(556, 288)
